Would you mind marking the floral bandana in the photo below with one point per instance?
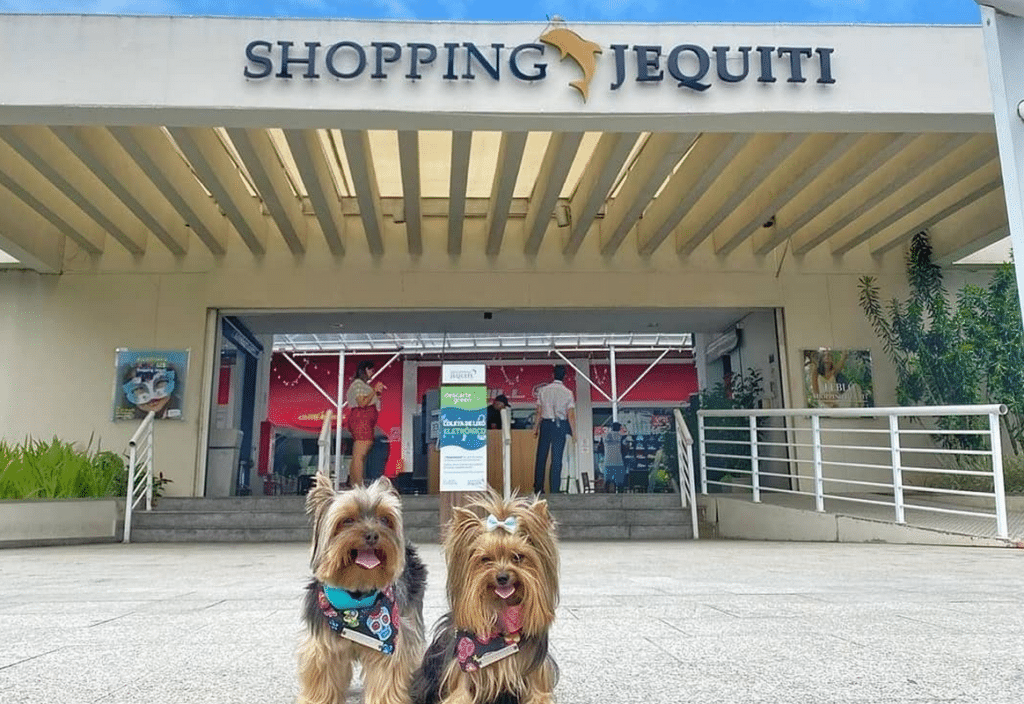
(374, 626)
(475, 652)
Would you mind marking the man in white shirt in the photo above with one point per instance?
(554, 421)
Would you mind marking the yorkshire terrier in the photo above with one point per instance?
(492, 647)
(365, 602)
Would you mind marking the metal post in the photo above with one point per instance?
(506, 452)
(130, 495)
(337, 422)
(819, 484)
(148, 476)
(615, 387)
(1003, 31)
(702, 439)
(755, 481)
(1002, 530)
(897, 468)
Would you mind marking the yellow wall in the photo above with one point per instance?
(58, 333)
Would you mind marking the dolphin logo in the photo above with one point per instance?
(583, 52)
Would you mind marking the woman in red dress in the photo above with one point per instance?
(363, 402)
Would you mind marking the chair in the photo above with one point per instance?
(587, 489)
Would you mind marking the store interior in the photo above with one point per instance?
(277, 377)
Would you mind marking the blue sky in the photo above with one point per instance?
(842, 11)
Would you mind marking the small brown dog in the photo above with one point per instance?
(492, 646)
(365, 603)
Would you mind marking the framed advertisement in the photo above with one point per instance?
(838, 378)
(150, 380)
(463, 442)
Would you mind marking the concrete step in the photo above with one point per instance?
(283, 518)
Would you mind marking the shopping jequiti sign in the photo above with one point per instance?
(690, 67)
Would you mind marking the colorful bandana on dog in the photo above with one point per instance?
(374, 625)
(474, 652)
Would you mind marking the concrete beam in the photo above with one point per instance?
(32, 189)
(701, 167)
(41, 149)
(308, 153)
(409, 156)
(215, 168)
(96, 148)
(462, 143)
(510, 159)
(154, 154)
(934, 149)
(558, 159)
(767, 239)
(725, 243)
(880, 246)
(965, 165)
(613, 148)
(27, 236)
(364, 181)
(652, 166)
(257, 152)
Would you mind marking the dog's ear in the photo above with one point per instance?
(384, 485)
(320, 496)
(464, 518)
(540, 509)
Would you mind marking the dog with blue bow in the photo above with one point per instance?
(365, 602)
(492, 646)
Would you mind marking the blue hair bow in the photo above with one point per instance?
(510, 524)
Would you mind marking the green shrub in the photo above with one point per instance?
(1013, 475)
(58, 470)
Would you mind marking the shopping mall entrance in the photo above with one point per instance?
(273, 411)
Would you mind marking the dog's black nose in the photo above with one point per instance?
(371, 537)
(502, 579)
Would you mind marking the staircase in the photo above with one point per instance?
(283, 519)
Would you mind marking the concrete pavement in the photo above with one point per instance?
(712, 621)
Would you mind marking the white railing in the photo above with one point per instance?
(687, 477)
(506, 452)
(842, 461)
(323, 447)
(140, 472)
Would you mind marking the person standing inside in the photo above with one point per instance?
(554, 422)
(614, 466)
(363, 406)
(494, 411)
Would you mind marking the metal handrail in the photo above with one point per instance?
(323, 444)
(823, 460)
(140, 461)
(506, 452)
(684, 455)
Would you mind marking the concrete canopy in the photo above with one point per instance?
(158, 135)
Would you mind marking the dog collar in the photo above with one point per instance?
(342, 599)
(373, 625)
(475, 652)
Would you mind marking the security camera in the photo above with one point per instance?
(1009, 7)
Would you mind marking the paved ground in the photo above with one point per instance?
(711, 621)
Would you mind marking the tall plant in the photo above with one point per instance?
(952, 355)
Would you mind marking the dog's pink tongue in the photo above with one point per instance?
(506, 591)
(367, 559)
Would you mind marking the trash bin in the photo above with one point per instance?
(222, 461)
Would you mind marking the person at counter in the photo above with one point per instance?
(556, 420)
(494, 412)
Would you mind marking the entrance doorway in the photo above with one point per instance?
(626, 367)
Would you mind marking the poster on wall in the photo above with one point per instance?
(463, 439)
(150, 380)
(838, 378)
